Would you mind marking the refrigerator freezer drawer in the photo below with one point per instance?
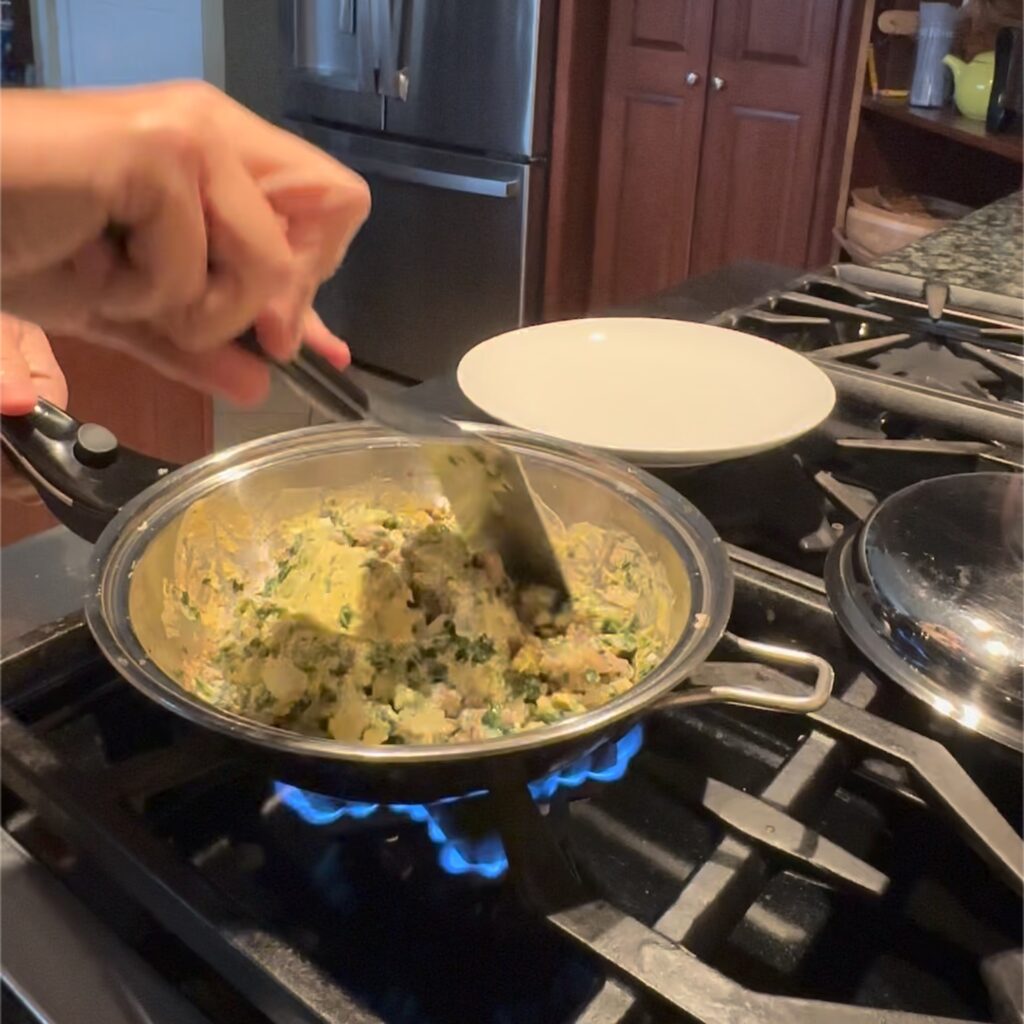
(446, 259)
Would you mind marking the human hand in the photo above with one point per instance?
(164, 221)
(28, 370)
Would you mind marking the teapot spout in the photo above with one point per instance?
(955, 64)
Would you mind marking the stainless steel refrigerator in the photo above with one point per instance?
(444, 107)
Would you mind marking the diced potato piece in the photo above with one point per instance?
(423, 722)
(480, 685)
(284, 681)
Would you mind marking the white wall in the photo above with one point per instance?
(121, 42)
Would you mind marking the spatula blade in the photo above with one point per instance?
(496, 509)
(483, 481)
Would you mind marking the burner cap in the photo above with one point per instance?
(931, 590)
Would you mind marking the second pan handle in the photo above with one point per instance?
(824, 677)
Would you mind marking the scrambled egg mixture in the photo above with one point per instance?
(380, 626)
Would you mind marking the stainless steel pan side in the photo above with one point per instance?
(254, 483)
(145, 517)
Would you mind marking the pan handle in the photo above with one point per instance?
(80, 471)
(751, 698)
(318, 383)
(84, 476)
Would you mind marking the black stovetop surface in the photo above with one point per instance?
(717, 839)
(747, 867)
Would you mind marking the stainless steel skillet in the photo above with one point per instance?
(245, 487)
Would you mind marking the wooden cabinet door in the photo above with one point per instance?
(763, 131)
(143, 409)
(650, 145)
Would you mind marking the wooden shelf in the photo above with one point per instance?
(945, 121)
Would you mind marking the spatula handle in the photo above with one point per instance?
(316, 381)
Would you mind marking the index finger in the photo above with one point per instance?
(249, 258)
(320, 218)
(43, 367)
(158, 203)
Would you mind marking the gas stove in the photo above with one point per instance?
(945, 340)
(920, 393)
(722, 865)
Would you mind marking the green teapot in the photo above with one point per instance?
(973, 83)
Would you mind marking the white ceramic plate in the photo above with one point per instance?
(656, 392)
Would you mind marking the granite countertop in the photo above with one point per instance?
(984, 250)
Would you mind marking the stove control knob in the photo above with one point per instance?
(95, 446)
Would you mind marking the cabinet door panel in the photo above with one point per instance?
(661, 26)
(779, 32)
(763, 131)
(650, 141)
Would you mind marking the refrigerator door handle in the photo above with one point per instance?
(500, 188)
(389, 27)
(368, 40)
(347, 17)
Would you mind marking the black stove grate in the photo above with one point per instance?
(916, 398)
(842, 324)
(743, 860)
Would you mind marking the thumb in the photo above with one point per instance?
(17, 389)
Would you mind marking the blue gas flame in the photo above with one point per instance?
(485, 856)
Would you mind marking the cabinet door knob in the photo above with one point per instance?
(692, 78)
(718, 83)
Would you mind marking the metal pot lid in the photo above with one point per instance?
(931, 589)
